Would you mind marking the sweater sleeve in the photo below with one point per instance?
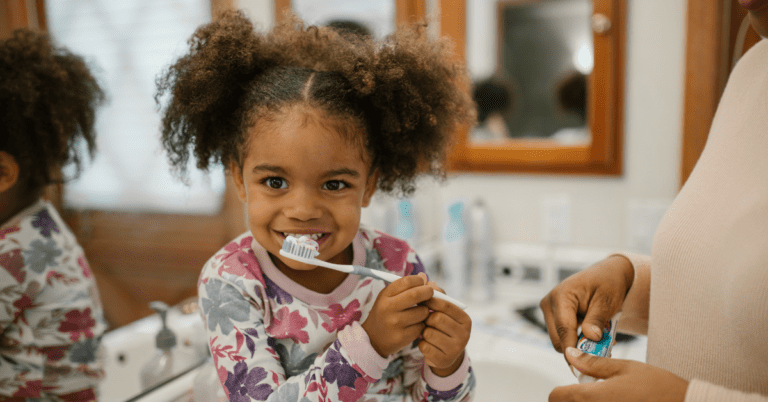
(700, 391)
(634, 315)
(249, 363)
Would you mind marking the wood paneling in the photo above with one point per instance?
(21, 14)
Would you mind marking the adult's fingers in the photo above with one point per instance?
(599, 312)
(549, 320)
(560, 315)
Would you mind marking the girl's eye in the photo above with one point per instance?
(275, 182)
(335, 185)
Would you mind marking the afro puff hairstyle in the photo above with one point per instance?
(48, 100)
(408, 93)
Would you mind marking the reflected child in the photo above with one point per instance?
(51, 317)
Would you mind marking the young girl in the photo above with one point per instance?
(50, 316)
(310, 124)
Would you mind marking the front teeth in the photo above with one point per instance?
(314, 236)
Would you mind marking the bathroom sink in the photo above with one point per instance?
(502, 381)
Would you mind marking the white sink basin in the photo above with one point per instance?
(503, 381)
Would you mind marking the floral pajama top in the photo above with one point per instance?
(274, 340)
(50, 312)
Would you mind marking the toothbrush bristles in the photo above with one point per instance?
(302, 247)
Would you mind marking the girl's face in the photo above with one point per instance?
(300, 177)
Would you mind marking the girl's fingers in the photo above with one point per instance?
(413, 315)
(403, 284)
(444, 322)
(449, 309)
(411, 297)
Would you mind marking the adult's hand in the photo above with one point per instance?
(595, 295)
(624, 380)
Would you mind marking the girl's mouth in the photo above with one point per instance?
(318, 237)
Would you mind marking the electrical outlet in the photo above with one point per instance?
(556, 211)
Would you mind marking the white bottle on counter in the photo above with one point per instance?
(455, 241)
(483, 259)
(168, 360)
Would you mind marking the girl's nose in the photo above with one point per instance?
(304, 205)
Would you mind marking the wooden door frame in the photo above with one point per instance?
(711, 31)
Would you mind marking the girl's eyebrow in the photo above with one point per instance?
(269, 168)
(342, 171)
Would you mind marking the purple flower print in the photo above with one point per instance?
(287, 324)
(338, 369)
(243, 385)
(276, 293)
(43, 221)
(223, 305)
(436, 396)
(40, 255)
(417, 267)
(341, 317)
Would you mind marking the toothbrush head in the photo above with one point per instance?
(303, 247)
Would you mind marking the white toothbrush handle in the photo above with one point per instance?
(365, 271)
(389, 277)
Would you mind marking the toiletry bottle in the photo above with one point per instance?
(483, 260)
(168, 360)
(455, 250)
(406, 227)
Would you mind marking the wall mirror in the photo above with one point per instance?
(378, 17)
(549, 79)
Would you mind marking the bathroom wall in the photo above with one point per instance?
(601, 208)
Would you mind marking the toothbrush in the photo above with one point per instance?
(304, 250)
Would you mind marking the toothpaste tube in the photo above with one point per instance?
(601, 348)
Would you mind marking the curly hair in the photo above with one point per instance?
(408, 93)
(48, 99)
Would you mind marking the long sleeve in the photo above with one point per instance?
(700, 391)
(424, 385)
(634, 315)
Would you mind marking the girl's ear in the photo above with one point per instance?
(370, 188)
(237, 177)
(9, 171)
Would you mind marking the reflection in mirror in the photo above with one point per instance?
(536, 86)
(375, 16)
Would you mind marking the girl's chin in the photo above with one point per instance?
(296, 265)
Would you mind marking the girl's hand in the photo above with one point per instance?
(595, 294)
(625, 380)
(445, 337)
(396, 318)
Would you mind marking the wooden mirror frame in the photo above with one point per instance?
(603, 156)
(405, 10)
